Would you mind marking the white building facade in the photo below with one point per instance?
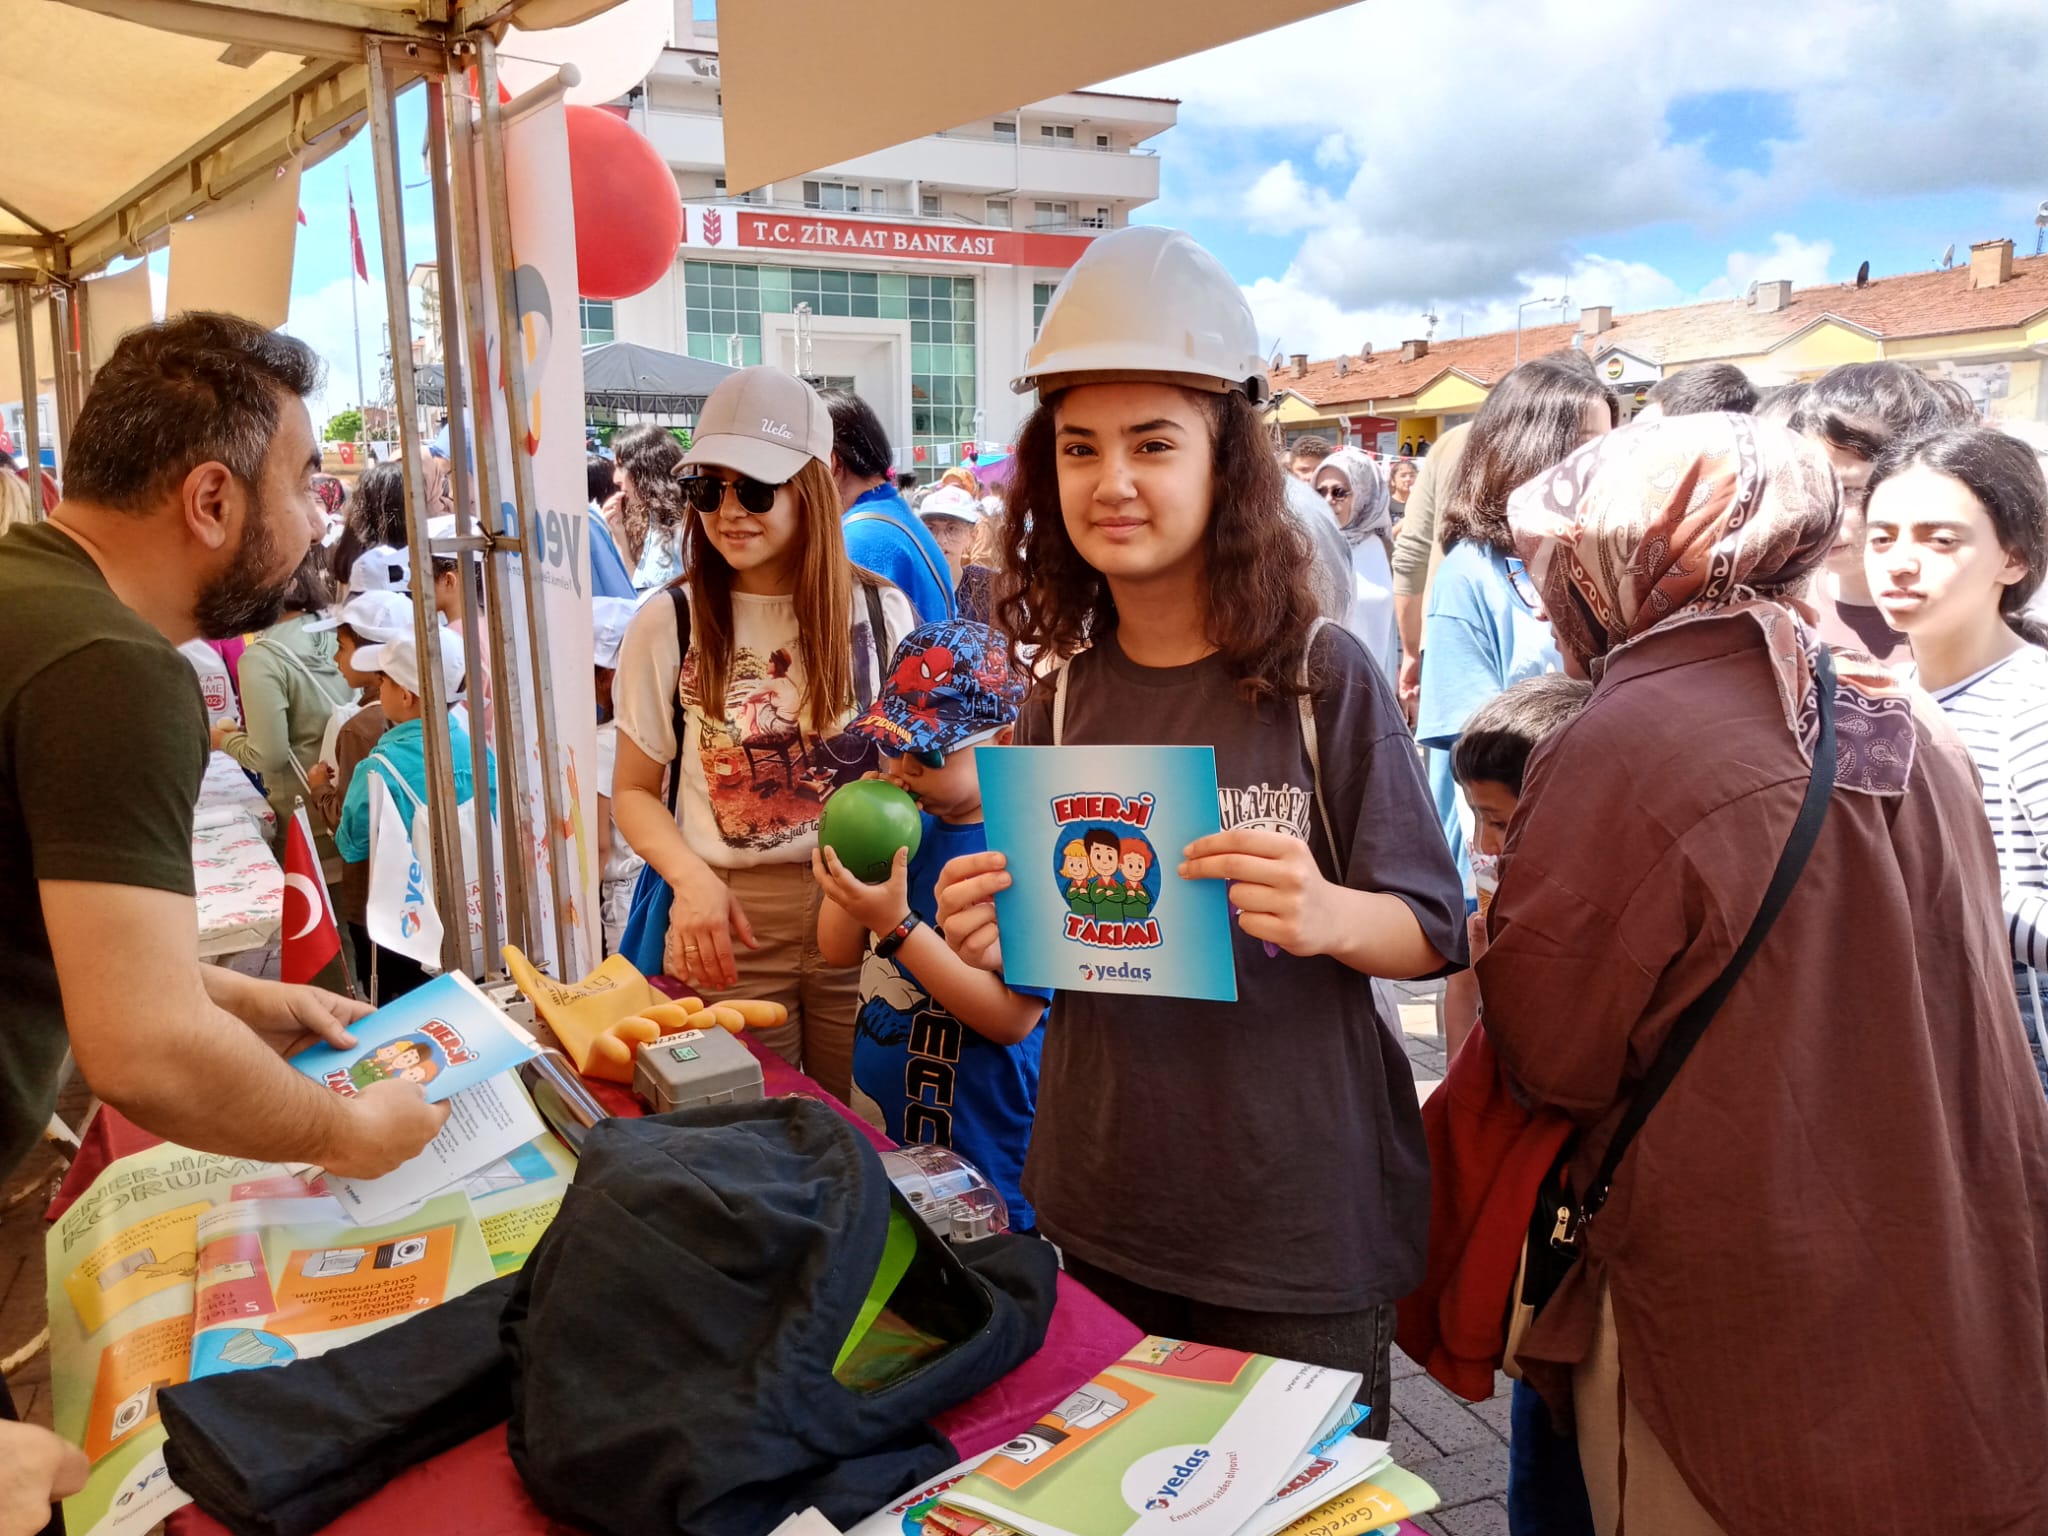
(916, 275)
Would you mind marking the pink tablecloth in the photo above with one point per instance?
(474, 1488)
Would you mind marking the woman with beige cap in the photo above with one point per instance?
(744, 680)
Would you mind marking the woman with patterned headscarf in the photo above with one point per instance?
(1822, 1270)
(1354, 487)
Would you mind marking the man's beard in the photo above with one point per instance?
(244, 597)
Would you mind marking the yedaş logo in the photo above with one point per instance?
(1179, 1482)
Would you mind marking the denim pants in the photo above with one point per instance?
(1546, 1488)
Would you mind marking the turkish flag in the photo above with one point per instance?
(312, 943)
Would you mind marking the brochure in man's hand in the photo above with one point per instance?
(446, 1036)
(459, 1046)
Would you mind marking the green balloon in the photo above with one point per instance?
(865, 822)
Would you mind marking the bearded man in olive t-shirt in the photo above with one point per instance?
(188, 506)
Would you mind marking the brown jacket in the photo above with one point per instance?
(1828, 1248)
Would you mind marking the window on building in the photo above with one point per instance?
(1057, 133)
(724, 303)
(1006, 128)
(1044, 214)
(999, 213)
(878, 199)
(1041, 296)
(1102, 141)
(928, 204)
(599, 326)
(758, 195)
(832, 196)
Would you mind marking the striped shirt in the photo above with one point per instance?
(2002, 716)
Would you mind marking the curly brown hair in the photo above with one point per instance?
(1260, 604)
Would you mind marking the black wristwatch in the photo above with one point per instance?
(890, 942)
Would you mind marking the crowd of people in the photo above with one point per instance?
(1716, 740)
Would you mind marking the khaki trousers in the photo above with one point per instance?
(1630, 1481)
(781, 903)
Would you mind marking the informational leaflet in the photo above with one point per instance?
(446, 1036)
(486, 1123)
(178, 1264)
(1175, 1437)
(1093, 837)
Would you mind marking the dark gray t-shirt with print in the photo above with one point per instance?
(1265, 1154)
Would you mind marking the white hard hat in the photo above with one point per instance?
(1147, 303)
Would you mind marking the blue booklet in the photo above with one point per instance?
(1094, 836)
(446, 1036)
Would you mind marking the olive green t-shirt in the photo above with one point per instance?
(103, 744)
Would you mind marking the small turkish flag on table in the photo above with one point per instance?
(312, 942)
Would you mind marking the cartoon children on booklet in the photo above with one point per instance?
(1103, 876)
(409, 1056)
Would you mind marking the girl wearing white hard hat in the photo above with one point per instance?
(744, 675)
(1250, 1174)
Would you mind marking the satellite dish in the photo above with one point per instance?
(1863, 275)
(1948, 257)
(2041, 216)
(1751, 295)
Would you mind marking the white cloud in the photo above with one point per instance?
(1805, 262)
(1280, 202)
(1469, 147)
(1333, 152)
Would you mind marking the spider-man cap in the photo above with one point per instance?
(948, 682)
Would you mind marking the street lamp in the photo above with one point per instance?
(1560, 300)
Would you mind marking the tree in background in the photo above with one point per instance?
(345, 426)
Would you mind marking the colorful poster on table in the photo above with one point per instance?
(1094, 836)
(550, 434)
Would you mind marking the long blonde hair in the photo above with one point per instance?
(824, 605)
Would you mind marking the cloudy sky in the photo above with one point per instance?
(1364, 167)
(1360, 168)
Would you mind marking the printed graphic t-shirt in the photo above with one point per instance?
(1268, 1153)
(937, 1081)
(754, 781)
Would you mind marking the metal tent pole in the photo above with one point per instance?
(455, 400)
(450, 879)
(25, 351)
(519, 835)
(498, 206)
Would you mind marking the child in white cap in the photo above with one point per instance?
(401, 761)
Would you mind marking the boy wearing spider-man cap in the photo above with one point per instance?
(948, 1052)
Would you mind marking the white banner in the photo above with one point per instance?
(400, 911)
(543, 262)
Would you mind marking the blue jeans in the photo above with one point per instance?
(1546, 1489)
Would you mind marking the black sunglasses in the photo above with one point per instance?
(1334, 492)
(707, 493)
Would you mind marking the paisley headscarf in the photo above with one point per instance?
(1687, 518)
(1371, 501)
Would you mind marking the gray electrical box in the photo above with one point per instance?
(698, 1066)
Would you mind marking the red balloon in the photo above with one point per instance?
(629, 215)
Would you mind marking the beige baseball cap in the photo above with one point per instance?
(764, 423)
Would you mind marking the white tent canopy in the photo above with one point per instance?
(123, 116)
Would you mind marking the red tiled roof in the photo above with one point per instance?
(1914, 304)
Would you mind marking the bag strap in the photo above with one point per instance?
(1692, 1023)
(1310, 741)
(679, 720)
(393, 776)
(876, 638)
(303, 670)
(945, 583)
(1059, 700)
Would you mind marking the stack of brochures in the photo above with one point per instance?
(1181, 1438)
(461, 1048)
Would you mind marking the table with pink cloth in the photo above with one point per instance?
(474, 1488)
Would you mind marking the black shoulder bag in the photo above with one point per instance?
(1558, 1225)
(680, 596)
